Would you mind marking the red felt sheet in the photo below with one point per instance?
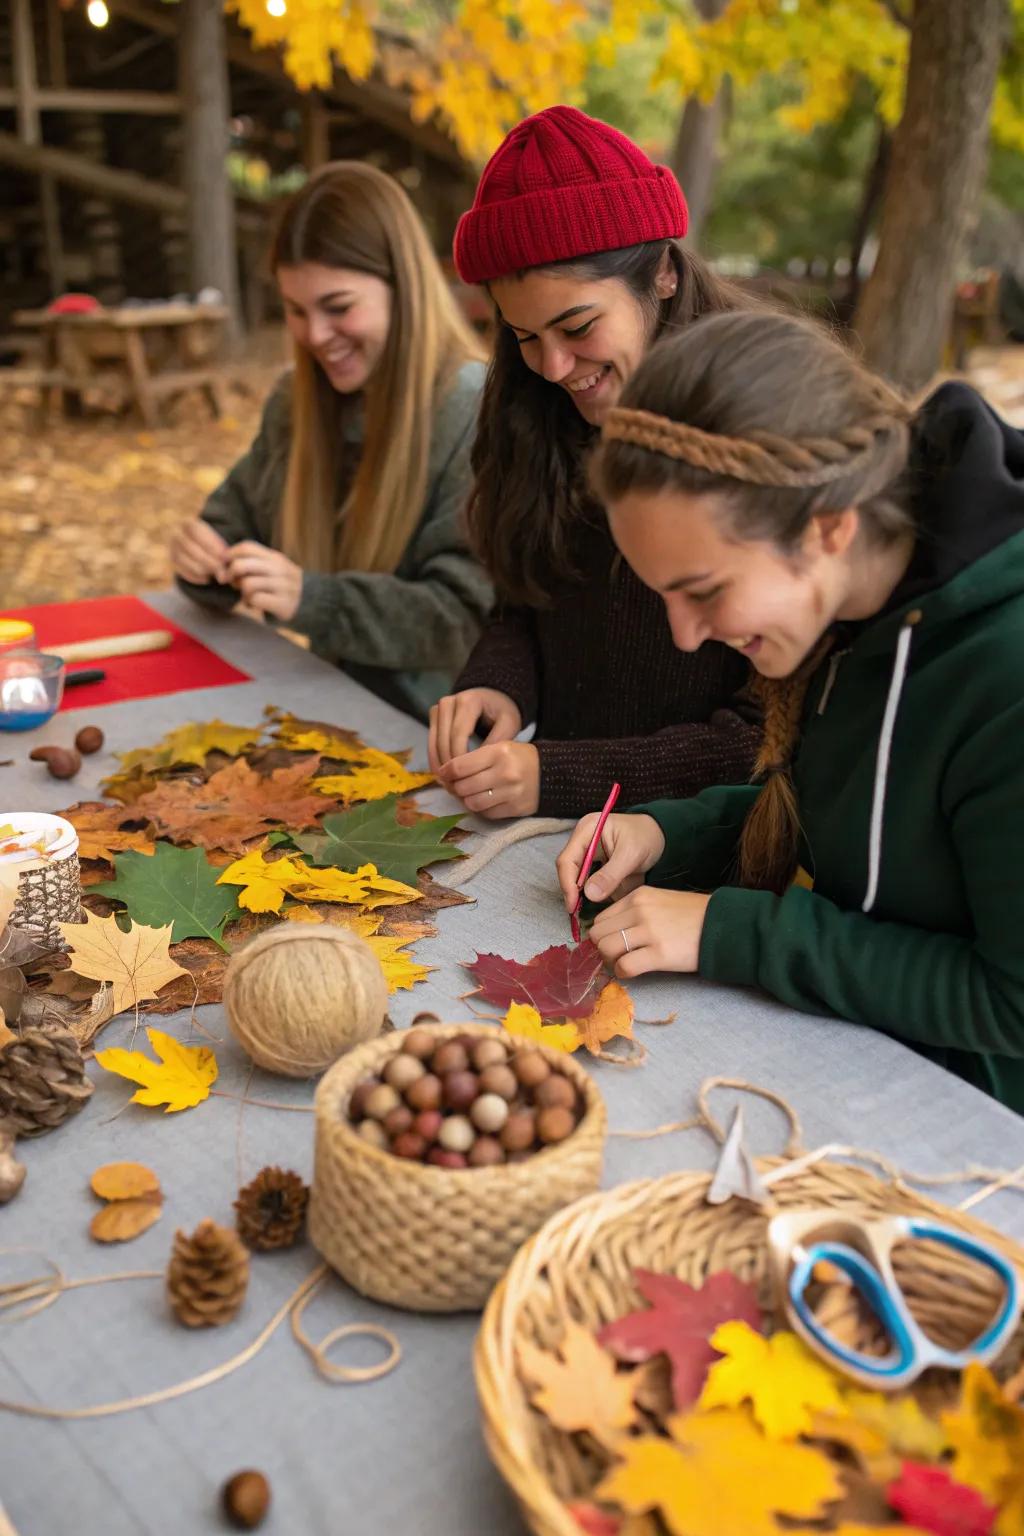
(185, 664)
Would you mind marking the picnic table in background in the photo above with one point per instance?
(138, 356)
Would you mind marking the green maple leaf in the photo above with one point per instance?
(371, 834)
(173, 885)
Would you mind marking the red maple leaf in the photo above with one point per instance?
(931, 1499)
(561, 982)
(679, 1323)
(593, 1520)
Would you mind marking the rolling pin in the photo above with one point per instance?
(112, 645)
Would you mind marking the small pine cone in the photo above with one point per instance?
(207, 1275)
(272, 1209)
(42, 1079)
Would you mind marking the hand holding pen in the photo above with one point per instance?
(588, 859)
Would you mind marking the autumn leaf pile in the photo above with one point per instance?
(688, 1419)
(561, 997)
(218, 830)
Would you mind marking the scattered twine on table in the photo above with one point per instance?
(39, 1292)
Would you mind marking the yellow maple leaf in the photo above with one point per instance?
(899, 1418)
(378, 774)
(181, 1078)
(720, 1476)
(779, 1376)
(190, 743)
(581, 1386)
(137, 963)
(401, 970)
(524, 1020)
(986, 1434)
(266, 883)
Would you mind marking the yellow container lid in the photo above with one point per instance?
(16, 634)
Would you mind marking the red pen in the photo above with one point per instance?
(588, 859)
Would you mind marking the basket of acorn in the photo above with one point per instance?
(439, 1151)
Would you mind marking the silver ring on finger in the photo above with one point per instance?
(491, 793)
(625, 940)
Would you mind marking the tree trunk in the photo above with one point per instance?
(211, 210)
(871, 197)
(933, 187)
(695, 153)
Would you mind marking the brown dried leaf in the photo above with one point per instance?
(125, 1219)
(101, 832)
(235, 806)
(124, 1181)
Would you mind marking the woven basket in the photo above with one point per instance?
(579, 1265)
(436, 1239)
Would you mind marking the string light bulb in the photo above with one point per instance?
(97, 13)
(277, 7)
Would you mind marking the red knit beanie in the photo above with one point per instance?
(560, 185)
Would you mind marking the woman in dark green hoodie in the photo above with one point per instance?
(870, 563)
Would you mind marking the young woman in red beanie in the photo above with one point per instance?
(576, 235)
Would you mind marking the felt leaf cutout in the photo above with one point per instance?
(929, 1497)
(679, 1323)
(779, 1376)
(173, 885)
(137, 963)
(986, 1435)
(719, 1476)
(561, 982)
(611, 1019)
(124, 1181)
(122, 1220)
(191, 744)
(598, 1522)
(100, 830)
(526, 1022)
(371, 834)
(377, 775)
(181, 1078)
(266, 882)
(899, 1418)
(579, 1387)
(234, 806)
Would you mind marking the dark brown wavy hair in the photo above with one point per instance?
(529, 494)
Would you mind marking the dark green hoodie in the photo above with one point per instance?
(910, 781)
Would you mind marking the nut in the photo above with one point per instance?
(12, 1173)
(89, 739)
(245, 1499)
(63, 762)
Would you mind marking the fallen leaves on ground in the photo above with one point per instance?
(376, 775)
(175, 885)
(679, 1322)
(372, 834)
(266, 882)
(134, 1201)
(779, 1376)
(561, 982)
(136, 963)
(181, 1079)
(524, 1021)
(234, 806)
(101, 833)
(719, 1476)
(579, 1388)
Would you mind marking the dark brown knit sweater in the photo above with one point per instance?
(612, 696)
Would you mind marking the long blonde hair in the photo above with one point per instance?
(350, 215)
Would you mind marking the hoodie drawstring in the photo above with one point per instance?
(892, 704)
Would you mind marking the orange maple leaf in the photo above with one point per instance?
(580, 1387)
(612, 1017)
(234, 806)
(100, 830)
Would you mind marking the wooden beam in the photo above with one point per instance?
(30, 133)
(58, 73)
(211, 209)
(121, 186)
(148, 103)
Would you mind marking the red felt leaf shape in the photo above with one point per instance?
(593, 1520)
(562, 982)
(679, 1323)
(930, 1498)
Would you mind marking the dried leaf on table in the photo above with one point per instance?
(376, 775)
(986, 1434)
(331, 741)
(122, 1220)
(101, 831)
(779, 1376)
(12, 992)
(561, 982)
(579, 1388)
(266, 882)
(173, 885)
(611, 1019)
(930, 1497)
(679, 1322)
(372, 834)
(124, 1181)
(23, 946)
(181, 1078)
(720, 1476)
(526, 1022)
(136, 963)
(191, 744)
(234, 806)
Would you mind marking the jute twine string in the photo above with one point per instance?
(38, 1292)
(497, 842)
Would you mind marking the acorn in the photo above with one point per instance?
(554, 1091)
(89, 739)
(245, 1499)
(63, 762)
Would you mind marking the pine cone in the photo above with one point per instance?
(42, 1079)
(272, 1209)
(207, 1275)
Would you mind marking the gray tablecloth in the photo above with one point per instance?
(404, 1454)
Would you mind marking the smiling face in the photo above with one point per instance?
(584, 335)
(340, 316)
(770, 605)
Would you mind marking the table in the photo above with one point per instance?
(139, 355)
(404, 1454)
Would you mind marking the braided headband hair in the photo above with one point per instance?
(762, 458)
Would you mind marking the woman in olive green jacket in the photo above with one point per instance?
(344, 519)
(870, 563)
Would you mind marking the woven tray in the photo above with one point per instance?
(436, 1239)
(579, 1266)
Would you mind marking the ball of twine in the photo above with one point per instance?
(297, 998)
